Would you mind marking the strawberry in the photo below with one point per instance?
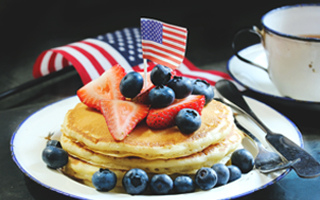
(104, 87)
(143, 97)
(164, 117)
(122, 116)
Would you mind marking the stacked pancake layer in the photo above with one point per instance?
(87, 140)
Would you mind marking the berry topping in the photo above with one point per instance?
(164, 117)
(135, 181)
(181, 86)
(222, 173)
(104, 180)
(161, 96)
(122, 116)
(54, 157)
(206, 178)
(160, 75)
(204, 88)
(235, 173)
(188, 120)
(243, 159)
(104, 87)
(183, 184)
(161, 184)
(131, 84)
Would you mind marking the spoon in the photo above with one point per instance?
(307, 167)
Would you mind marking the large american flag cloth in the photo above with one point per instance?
(92, 56)
(163, 43)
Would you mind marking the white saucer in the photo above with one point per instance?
(253, 78)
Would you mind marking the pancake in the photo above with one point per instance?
(88, 128)
(188, 164)
(82, 169)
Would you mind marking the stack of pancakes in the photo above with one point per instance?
(86, 138)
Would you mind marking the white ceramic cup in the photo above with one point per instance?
(291, 39)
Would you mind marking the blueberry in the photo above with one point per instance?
(235, 173)
(243, 159)
(161, 96)
(54, 143)
(183, 184)
(54, 157)
(206, 178)
(131, 84)
(222, 173)
(161, 184)
(181, 86)
(135, 181)
(188, 120)
(104, 180)
(204, 88)
(160, 75)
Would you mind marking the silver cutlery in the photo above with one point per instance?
(303, 163)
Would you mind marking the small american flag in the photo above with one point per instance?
(91, 57)
(163, 43)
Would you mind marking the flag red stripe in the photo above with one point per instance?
(91, 58)
(163, 56)
(79, 67)
(174, 40)
(161, 48)
(173, 46)
(182, 36)
(103, 52)
(65, 62)
(51, 64)
(175, 27)
(160, 61)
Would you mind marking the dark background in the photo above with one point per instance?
(28, 27)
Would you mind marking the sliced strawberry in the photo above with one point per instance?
(122, 116)
(164, 117)
(104, 87)
(142, 97)
(148, 81)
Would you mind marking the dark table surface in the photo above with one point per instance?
(30, 27)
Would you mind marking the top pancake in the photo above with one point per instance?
(87, 126)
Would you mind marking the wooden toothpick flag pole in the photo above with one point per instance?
(145, 66)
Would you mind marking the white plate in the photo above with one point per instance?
(29, 140)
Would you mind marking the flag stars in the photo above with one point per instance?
(151, 30)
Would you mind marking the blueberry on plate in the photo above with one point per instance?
(104, 180)
(222, 173)
(235, 173)
(183, 184)
(206, 178)
(202, 87)
(55, 143)
(181, 86)
(161, 184)
(131, 84)
(160, 75)
(243, 159)
(135, 181)
(188, 120)
(54, 157)
(161, 96)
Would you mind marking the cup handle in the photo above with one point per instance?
(253, 30)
